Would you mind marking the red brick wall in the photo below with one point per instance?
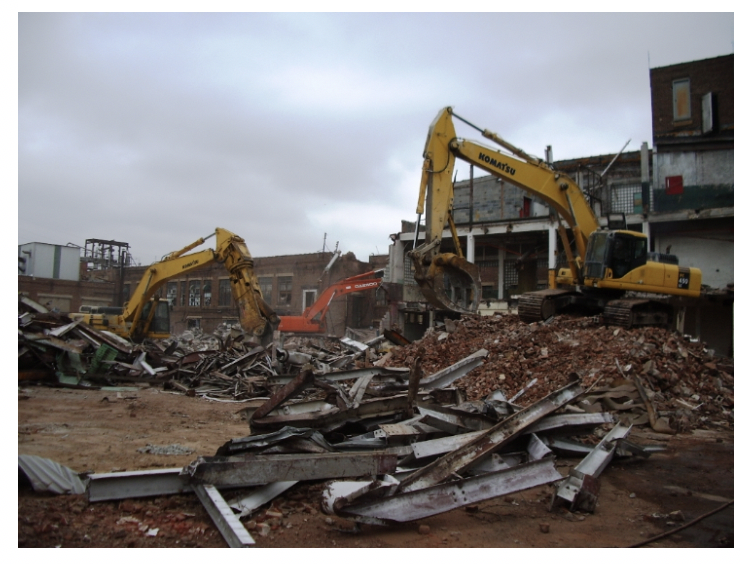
(709, 75)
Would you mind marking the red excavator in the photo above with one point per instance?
(313, 318)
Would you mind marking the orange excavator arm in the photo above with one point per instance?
(312, 319)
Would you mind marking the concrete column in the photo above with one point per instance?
(470, 247)
(500, 274)
(396, 260)
(645, 179)
(552, 259)
(647, 233)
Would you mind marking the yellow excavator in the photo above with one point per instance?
(145, 315)
(605, 267)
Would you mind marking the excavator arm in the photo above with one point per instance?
(312, 319)
(448, 280)
(256, 316)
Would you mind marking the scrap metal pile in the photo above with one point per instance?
(222, 365)
(400, 433)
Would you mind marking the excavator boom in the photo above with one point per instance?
(143, 312)
(450, 282)
(313, 318)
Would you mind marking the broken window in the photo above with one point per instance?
(125, 293)
(381, 297)
(194, 296)
(308, 298)
(194, 323)
(172, 293)
(225, 292)
(285, 290)
(206, 293)
(266, 287)
(408, 271)
(183, 292)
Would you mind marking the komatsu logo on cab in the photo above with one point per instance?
(497, 164)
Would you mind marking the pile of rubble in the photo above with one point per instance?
(682, 379)
(222, 365)
(472, 412)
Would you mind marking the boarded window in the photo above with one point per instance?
(681, 99)
(674, 185)
(225, 293)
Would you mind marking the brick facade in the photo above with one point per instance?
(202, 298)
(714, 75)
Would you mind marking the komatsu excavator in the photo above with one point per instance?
(603, 265)
(147, 316)
(313, 318)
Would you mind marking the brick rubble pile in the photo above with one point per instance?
(682, 379)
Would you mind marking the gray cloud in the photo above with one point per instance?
(154, 129)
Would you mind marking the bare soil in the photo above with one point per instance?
(102, 430)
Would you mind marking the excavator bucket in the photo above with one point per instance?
(449, 282)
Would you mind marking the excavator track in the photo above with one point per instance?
(636, 313)
(541, 305)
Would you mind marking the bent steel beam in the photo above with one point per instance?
(490, 440)
(418, 504)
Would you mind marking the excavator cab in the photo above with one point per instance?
(158, 328)
(618, 252)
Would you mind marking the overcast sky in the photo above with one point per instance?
(154, 129)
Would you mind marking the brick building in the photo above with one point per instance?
(202, 298)
(692, 212)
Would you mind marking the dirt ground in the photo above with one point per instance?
(102, 430)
